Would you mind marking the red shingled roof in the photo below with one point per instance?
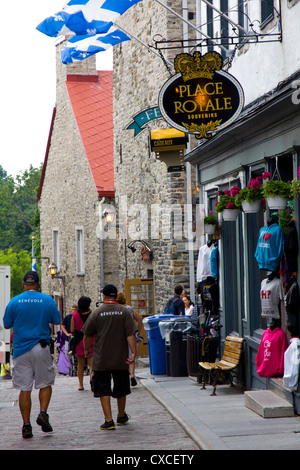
(92, 102)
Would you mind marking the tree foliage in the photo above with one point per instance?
(19, 222)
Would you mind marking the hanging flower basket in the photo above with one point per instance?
(251, 207)
(230, 215)
(277, 202)
(276, 192)
(209, 229)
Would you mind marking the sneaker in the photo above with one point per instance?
(43, 420)
(27, 431)
(107, 425)
(122, 420)
(133, 381)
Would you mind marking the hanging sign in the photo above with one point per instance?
(201, 98)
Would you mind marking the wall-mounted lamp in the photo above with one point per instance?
(147, 253)
(53, 270)
(108, 215)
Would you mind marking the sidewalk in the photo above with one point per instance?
(220, 422)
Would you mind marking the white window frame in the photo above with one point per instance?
(79, 244)
(55, 248)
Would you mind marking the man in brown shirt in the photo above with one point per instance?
(114, 329)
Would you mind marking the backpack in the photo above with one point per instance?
(169, 308)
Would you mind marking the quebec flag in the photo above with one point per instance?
(85, 17)
(81, 47)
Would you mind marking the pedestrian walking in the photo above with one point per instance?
(78, 320)
(114, 329)
(139, 321)
(30, 315)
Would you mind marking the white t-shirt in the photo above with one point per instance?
(203, 263)
(271, 293)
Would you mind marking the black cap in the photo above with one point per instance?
(31, 277)
(110, 290)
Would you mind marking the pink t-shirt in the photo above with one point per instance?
(270, 355)
(78, 324)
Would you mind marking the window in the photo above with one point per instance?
(55, 239)
(79, 250)
(267, 11)
(224, 26)
(210, 26)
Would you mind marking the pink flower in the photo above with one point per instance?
(211, 212)
(299, 172)
(230, 205)
(266, 175)
(227, 192)
(235, 190)
(255, 184)
(216, 203)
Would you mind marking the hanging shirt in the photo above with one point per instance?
(269, 249)
(271, 293)
(291, 364)
(214, 262)
(203, 264)
(270, 355)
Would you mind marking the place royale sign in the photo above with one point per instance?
(201, 98)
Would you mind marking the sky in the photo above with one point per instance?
(27, 82)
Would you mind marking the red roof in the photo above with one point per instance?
(92, 100)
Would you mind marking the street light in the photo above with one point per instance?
(53, 270)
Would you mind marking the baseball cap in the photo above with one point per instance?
(31, 277)
(110, 290)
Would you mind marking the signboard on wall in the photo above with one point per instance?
(201, 98)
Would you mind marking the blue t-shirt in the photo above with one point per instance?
(29, 314)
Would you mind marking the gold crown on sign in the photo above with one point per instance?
(196, 65)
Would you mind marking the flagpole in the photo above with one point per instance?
(193, 26)
(141, 42)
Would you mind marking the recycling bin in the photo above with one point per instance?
(175, 333)
(156, 343)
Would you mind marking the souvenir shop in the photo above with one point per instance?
(258, 257)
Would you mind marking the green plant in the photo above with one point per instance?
(252, 193)
(210, 219)
(284, 220)
(228, 200)
(277, 188)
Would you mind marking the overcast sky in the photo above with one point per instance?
(27, 82)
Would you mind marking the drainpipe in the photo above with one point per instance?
(101, 243)
(189, 184)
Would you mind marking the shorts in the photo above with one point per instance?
(35, 366)
(102, 381)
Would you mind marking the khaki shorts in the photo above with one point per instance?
(36, 366)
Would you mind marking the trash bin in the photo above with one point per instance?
(173, 330)
(156, 343)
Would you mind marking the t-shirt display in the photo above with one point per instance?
(291, 364)
(270, 355)
(269, 249)
(271, 293)
(203, 263)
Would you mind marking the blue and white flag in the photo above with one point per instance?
(81, 47)
(85, 17)
(33, 260)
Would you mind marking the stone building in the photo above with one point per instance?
(77, 184)
(154, 186)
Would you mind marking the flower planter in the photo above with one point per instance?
(251, 207)
(230, 214)
(209, 228)
(277, 202)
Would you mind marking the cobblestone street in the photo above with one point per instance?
(76, 417)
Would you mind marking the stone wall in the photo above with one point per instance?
(69, 199)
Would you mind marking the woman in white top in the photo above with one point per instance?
(188, 305)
